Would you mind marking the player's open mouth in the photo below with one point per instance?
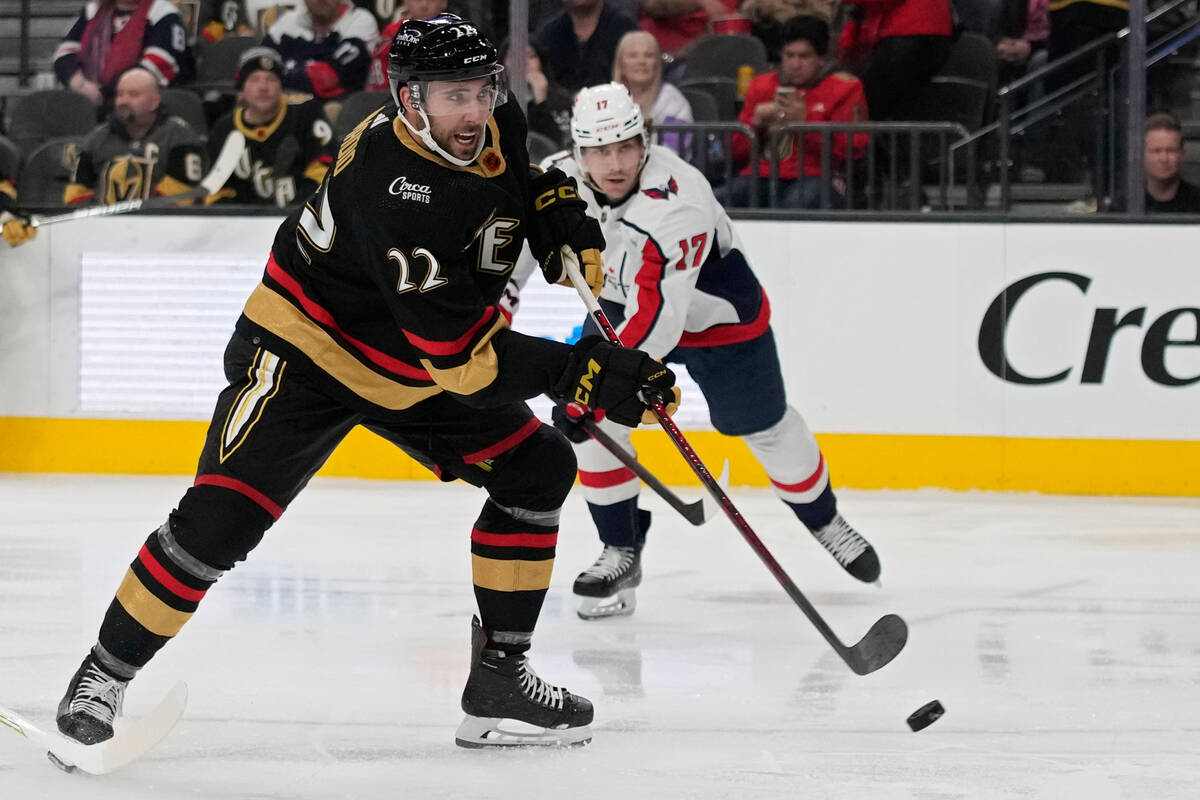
(466, 139)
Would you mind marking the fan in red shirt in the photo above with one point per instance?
(900, 44)
(803, 90)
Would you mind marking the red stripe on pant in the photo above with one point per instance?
(245, 489)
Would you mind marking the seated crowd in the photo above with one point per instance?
(837, 62)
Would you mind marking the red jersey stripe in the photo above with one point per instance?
(514, 539)
(225, 482)
(731, 333)
(318, 313)
(457, 345)
(169, 582)
(649, 297)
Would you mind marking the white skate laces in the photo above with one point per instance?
(98, 695)
(843, 542)
(612, 563)
(538, 690)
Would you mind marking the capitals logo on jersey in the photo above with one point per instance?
(664, 192)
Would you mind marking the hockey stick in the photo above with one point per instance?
(885, 639)
(696, 513)
(132, 741)
(211, 183)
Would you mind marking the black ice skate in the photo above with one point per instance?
(93, 700)
(503, 687)
(607, 587)
(850, 549)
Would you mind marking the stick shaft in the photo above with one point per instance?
(851, 657)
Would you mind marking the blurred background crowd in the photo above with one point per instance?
(1024, 106)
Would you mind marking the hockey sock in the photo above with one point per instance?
(620, 524)
(819, 512)
(512, 558)
(161, 590)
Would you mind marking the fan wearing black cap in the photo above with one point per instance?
(289, 143)
(378, 307)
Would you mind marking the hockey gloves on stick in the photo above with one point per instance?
(615, 379)
(559, 218)
(569, 419)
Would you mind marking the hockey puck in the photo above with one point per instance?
(925, 716)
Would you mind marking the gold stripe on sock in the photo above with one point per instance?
(503, 575)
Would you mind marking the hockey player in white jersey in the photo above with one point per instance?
(678, 286)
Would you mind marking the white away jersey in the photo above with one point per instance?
(673, 261)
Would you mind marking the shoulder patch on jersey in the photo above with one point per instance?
(663, 192)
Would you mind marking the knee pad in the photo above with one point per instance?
(217, 526)
(537, 474)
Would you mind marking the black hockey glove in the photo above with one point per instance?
(569, 420)
(603, 376)
(559, 217)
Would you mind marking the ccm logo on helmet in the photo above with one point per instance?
(473, 59)
(551, 195)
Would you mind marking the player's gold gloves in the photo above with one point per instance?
(16, 230)
(558, 218)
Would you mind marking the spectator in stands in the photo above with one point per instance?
(1023, 46)
(289, 145)
(377, 78)
(676, 24)
(896, 46)
(110, 36)
(768, 16)
(14, 222)
(139, 151)
(805, 89)
(221, 18)
(548, 111)
(1074, 23)
(326, 47)
(1166, 190)
(1019, 28)
(638, 64)
(579, 43)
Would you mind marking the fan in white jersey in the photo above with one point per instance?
(678, 286)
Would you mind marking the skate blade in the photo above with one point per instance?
(63, 765)
(622, 604)
(477, 733)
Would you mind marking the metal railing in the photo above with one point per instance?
(1097, 82)
(888, 174)
(708, 146)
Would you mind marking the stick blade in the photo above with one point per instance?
(879, 646)
(133, 739)
(711, 508)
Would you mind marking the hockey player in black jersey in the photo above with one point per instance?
(289, 145)
(378, 308)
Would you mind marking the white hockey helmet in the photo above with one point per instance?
(605, 114)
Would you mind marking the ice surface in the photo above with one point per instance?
(1061, 634)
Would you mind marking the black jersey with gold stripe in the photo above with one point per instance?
(387, 279)
(284, 160)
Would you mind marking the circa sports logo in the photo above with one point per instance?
(417, 192)
(1105, 326)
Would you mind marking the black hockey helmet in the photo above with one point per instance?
(444, 48)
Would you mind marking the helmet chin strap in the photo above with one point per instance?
(427, 139)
